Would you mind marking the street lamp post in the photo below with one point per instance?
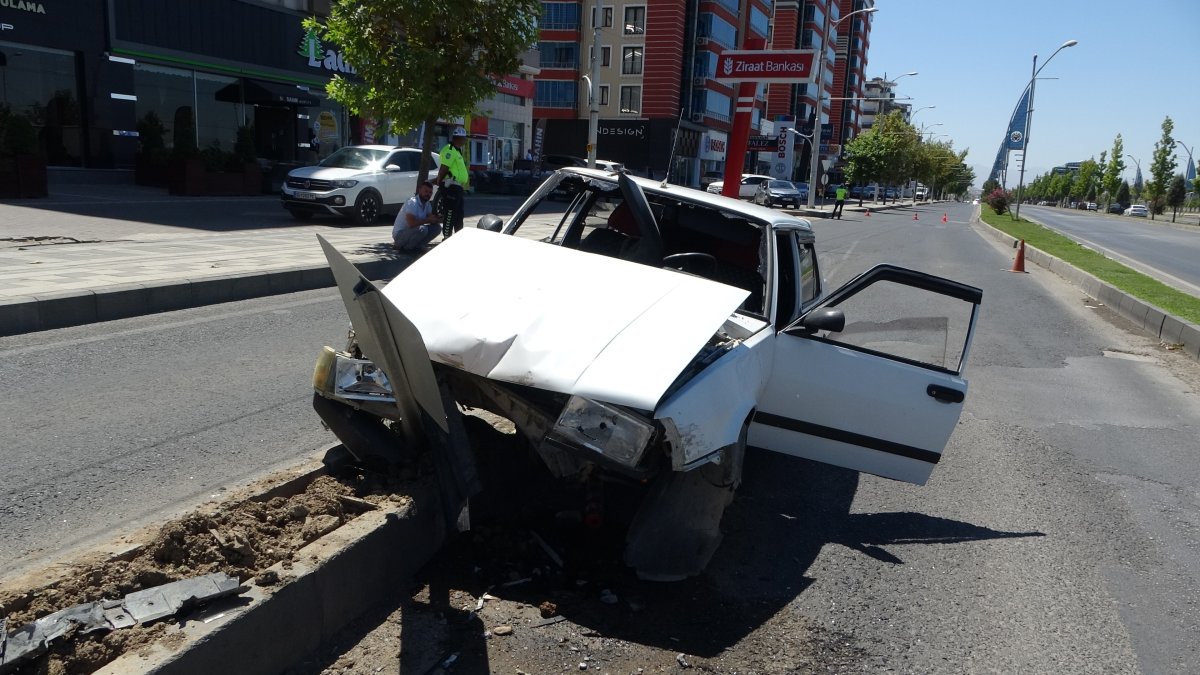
(815, 141)
(1191, 162)
(593, 87)
(914, 113)
(1139, 172)
(808, 138)
(1029, 119)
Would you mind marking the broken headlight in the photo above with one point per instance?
(605, 429)
(350, 378)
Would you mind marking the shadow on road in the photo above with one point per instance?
(785, 512)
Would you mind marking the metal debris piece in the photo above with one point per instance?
(32, 639)
(681, 659)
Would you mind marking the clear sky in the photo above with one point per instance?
(1137, 62)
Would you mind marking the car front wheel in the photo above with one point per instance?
(367, 207)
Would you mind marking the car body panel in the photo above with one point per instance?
(820, 386)
(514, 312)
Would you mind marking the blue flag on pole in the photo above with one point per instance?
(1015, 138)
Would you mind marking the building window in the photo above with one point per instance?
(559, 16)
(606, 14)
(605, 55)
(40, 86)
(705, 64)
(635, 20)
(715, 28)
(604, 94)
(631, 60)
(559, 54)
(759, 22)
(631, 100)
(555, 94)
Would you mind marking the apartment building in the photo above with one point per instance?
(656, 89)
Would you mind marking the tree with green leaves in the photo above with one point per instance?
(1085, 188)
(417, 62)
(1162, 167)
(1111, 179)
(1139, 184)
(866, 158)
(1176, 194)
(1123, 194)
(989, 185)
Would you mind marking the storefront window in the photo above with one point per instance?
(40, 85)
(167, 94)
(217, 121)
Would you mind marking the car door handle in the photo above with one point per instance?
(945, 394)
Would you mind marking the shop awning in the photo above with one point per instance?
(259, 92)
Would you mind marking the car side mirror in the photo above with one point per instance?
(392, 167)
(490, 223)
(826, 318)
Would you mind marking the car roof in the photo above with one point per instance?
(778, 220)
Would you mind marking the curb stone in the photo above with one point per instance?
(1169, 329)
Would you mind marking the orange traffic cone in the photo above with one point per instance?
(1019, 261)
(945, 219)
(915, 217)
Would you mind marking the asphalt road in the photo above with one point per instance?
(1058, 534)
(1169, 253)
(114, 425)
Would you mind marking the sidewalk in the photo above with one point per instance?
(55, 283)
(43, 287)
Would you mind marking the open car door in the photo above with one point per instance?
(881, 393)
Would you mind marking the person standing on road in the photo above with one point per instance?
(416, 225)
(839, 201)
(453, 179)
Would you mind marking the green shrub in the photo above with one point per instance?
(244, 149)
(150, 133)
(19, 137)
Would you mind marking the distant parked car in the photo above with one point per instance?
(1137, 211)
(1116, 207)
(777, 193)
(1091, 206)
(802, 188)
(709, 177)
(361, 182)
(748, 187)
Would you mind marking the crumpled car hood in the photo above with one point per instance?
(535, 314)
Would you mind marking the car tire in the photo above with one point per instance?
(367, 207)
(301, 214)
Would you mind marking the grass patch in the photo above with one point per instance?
(1135, 283)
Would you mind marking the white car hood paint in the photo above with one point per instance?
(531, 313)
(327, 173)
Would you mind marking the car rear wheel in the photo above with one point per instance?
(367, 207)
(301, 214)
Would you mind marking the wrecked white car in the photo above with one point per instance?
(651, 336)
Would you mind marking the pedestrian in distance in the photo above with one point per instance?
(453, 179)
(416, 225)
(839, 201)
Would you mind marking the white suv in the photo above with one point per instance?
(359, 181)
(746, 190)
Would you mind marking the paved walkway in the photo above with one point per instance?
(51, 282)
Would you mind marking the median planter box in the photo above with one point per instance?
(23, 177)
(190, 178)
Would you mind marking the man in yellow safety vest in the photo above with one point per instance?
(453, 179)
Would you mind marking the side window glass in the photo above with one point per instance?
(910, 323)
(810, 281)
(785, 299)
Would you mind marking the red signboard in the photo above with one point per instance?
(793, 65)
(510, 84)
(759, 143)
